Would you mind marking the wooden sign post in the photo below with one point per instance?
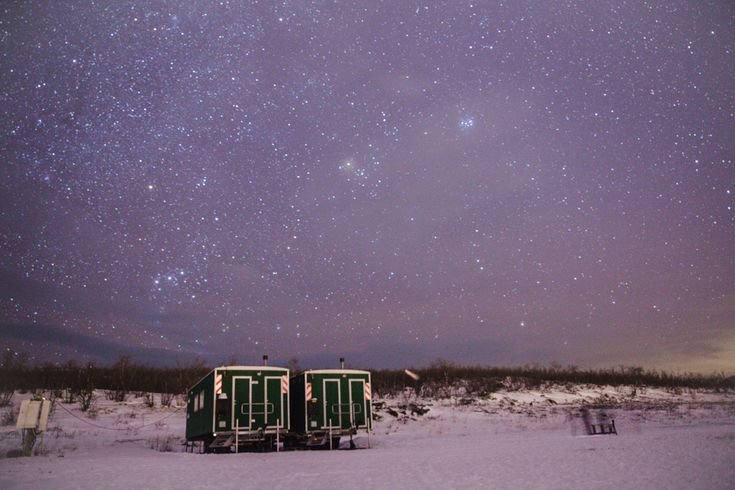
(32, 420)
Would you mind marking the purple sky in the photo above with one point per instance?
(495, 183)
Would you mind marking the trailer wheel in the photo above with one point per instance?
(335, 442)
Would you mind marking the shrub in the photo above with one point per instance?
(5, 397)
(149, 400)
(118, 396)
(86, 400)
(70, 396)
(162, 443)
(166, 399)
(9, 417)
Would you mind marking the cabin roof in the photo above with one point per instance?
(335, 371)
(250, 368)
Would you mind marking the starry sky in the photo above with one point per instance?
(391, 181)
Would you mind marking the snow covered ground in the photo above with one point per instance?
(513, 439)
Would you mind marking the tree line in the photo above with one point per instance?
(483, 380)
(124, 376)
(119, 378)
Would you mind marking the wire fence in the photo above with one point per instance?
(98, 426)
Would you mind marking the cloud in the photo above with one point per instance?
(43, 340)
(712, 355)
(416, 354)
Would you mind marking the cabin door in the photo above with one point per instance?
(273, 401)
(357, 403)
(242, 393)
(332, 404)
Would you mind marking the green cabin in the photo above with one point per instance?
(327, 404)
(239, 405)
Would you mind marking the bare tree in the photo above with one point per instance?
(293, 366)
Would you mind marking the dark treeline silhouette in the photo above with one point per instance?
(126, 376)
(482, 380)
(120, 378)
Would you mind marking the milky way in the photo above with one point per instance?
(396, 182)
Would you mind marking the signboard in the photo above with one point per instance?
(33, 415)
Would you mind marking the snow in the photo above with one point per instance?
(512, 439)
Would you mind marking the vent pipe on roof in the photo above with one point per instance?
(265, 360)
(341, 362)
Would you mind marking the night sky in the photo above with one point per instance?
(394, 182)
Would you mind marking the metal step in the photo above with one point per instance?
(315, 440)
(223, 440)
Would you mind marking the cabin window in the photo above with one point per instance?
(223, 407)
(201, 400)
